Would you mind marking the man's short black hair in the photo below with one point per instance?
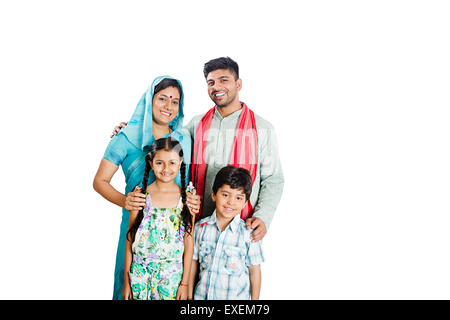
(221, 63)
(236, 178)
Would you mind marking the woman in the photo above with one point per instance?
(159, 114)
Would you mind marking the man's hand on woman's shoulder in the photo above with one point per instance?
(118, 128)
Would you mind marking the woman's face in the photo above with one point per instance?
(165, 105)
(166, 165)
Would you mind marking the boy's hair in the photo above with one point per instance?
(236, 178)
(221, 63)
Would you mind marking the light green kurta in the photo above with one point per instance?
(268, 185)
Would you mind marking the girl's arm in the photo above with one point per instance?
(255, 281)
(182, 293)
(127, 295)
(194, 268)
(102, 184)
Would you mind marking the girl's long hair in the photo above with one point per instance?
(167, 144)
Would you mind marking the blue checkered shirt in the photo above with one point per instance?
(224, 258)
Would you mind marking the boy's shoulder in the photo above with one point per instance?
(202, 222)
(242, 227)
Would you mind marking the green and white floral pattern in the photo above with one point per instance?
(158, 248)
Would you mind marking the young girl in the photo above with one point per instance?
(159, 246)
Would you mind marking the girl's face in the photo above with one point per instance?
(166, 105)
(166, 165)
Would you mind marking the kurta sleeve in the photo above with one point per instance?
(272, 179)
(116, 150)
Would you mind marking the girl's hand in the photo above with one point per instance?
(193, 202)
(182, 292)
(135, 200)
(126, 292)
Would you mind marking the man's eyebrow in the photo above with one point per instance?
(221, 77)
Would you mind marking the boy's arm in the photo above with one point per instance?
(255, 281)
(253, 261)
(128, 260)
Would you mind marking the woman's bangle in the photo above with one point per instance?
(183, 284)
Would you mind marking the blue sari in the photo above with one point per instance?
(126, 149)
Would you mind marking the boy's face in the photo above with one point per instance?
(229, 202)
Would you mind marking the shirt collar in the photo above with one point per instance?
(233, 225)
(235, 114)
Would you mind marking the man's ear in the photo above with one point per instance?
(239, 84)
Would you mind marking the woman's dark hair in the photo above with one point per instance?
(166, 144)
(167, 82)
(221, 63)
(236, 178)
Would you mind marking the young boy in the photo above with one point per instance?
(229, 261)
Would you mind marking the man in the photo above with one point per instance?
(231, 133)
(224, 84)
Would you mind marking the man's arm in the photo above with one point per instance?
(271, 184)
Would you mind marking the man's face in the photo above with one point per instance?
(223, 89)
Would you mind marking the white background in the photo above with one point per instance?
(358, 92)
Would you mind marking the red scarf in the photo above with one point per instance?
(243, 155)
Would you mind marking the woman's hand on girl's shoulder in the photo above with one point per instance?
(135, 200)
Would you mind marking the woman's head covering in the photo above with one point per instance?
(139, 129)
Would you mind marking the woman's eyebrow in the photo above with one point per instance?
(162, 94)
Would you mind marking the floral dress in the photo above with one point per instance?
(158, 248)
